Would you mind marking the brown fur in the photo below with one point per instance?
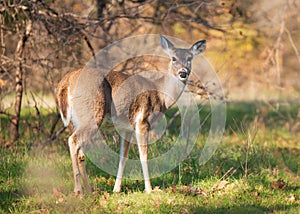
(67, 81)
(102, 103)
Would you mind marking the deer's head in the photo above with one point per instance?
(181, 59)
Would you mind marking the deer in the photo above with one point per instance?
(140, 115)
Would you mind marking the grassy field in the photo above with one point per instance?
(255, 170)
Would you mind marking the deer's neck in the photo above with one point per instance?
(170, 89)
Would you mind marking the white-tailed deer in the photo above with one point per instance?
(141, 110)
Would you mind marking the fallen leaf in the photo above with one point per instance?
(56, 193)
(152, 202)
(169, 201)
(190, 190)
(157, 189)
(184, 211)
(9, 144)
(220, 185)
(103, 202)
(60, 200)
(279, 184)
(173, 189)
(292, 198)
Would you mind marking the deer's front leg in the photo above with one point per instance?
(125, 145)
(74, 157)
(142, 132)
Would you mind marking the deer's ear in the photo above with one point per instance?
(166, 44)
(198, 47)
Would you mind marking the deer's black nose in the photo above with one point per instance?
(183, 75)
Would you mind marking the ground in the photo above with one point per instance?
(255, 170)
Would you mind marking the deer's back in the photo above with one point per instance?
(113, 95)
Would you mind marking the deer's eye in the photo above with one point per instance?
(174, 59)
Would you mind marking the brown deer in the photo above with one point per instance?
(141, 109)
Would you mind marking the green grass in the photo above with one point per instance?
(260, 146)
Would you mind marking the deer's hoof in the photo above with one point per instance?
(78, 194)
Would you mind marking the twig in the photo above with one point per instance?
(59, 132)
(293, 44)
(52, 134)
(204, 91)
(277, 48)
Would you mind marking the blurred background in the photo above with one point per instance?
(253, 46)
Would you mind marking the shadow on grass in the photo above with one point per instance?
(272, 115)
(245, 209)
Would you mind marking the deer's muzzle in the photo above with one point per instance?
(183, 74)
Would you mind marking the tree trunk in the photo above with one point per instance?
(14, 127)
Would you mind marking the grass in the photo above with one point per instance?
(255, 170)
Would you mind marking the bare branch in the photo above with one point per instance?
(293, 44)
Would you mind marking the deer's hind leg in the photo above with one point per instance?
(125, 145)
(142, 131)
(82, 169)
(73, 146)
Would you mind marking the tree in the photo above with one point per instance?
(24, 20)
